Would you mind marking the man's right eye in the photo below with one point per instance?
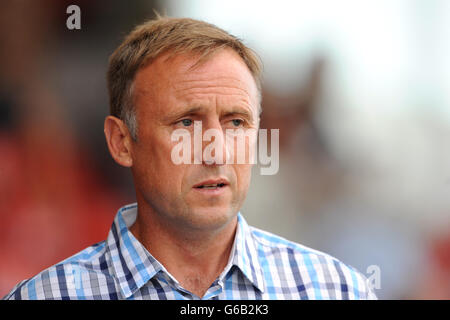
(186, 122)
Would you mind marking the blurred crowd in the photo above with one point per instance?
(60, 190)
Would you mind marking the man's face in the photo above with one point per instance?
(222, 94)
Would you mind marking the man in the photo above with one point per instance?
(185, 237)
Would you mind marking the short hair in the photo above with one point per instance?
(166, 35)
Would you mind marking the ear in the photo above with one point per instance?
(119, 141)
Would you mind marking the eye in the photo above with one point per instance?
(186, 122)
(237, 122)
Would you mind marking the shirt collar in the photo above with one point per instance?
(131, 263)
(134, 266)
(245, 256)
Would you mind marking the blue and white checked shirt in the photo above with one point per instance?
(261, 266)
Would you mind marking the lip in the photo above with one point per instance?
(211, 192)
(212, 181)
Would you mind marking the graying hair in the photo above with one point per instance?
(128, 114)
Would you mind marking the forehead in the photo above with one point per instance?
(224, 72)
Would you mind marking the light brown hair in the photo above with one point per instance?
(166, 35)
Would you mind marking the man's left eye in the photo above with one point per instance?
(186, 122)
(237, 122)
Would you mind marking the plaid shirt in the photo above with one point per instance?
(261, 266)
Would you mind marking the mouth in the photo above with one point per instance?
(212, 184)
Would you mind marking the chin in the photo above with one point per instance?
(211, 217)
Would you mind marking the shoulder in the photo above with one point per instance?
(319, 274)
(81, 276)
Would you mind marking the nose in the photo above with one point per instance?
(214, 150)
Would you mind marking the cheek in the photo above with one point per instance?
(152, 164)
(243, 176)
(154, 148)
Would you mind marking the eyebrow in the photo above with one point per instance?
(197, 109)
(240, 111)
(184, 113)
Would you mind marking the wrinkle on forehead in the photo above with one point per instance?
(215, 83)
(224, 75)
(233, 89)
(222, 90)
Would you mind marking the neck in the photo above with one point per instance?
(194, 257)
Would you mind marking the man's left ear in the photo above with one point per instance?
(118, 139)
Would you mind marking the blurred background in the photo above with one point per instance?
(360, 91)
